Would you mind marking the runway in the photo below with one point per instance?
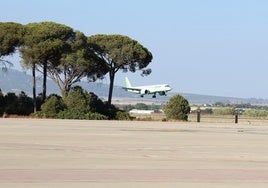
(76, 153)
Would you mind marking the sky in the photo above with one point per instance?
(210, 47)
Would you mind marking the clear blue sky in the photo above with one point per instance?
(212, 47)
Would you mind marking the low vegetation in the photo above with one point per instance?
(77, 104)
(80, 104)
(177, 108)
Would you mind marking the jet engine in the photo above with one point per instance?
(162, 93)
(144, 91)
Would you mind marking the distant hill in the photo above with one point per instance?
(16, 81)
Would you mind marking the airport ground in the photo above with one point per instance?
(39, 153)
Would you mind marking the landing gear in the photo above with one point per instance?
(141, 96)
(162, 93)
(153, 96)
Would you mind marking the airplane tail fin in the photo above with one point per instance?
(128, 84)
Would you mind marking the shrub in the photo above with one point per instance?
(256, 113)
(2, 103)
(71, 114)
(52, 106)
(177, 108)
(77, 114)
(109, 111)
(121, 115)
(224, 111)
(25, 104)
(78, 99)
(96, 116)
(13, 104)
(38, 114)
(11, 101)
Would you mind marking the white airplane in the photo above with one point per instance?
(161, 89)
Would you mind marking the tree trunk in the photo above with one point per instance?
(44, 82)
(112, 75)
(34, 87)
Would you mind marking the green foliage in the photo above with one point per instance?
(142, 106)
(76, 114)
(219, 104)
(11, 35)
(120, 52)
(76, 63)
(67, 56)
(71, 114)
(11, 101)
(96, 104)
(207, 111)
(108, 110)
(2, 103)
(78, 99)
(45, 41)
(38, 45)
(38, 114)
(25, 104)
(128, 107)
(79, 102)
(52, 106)
(177, 108)
(44, 44)
(224, 111)
(121, 115)
(256, 113)
(96, 116)
(19, 105)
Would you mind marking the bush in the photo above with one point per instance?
(256, 113)
(96, 116)
(177, 108)
(121, 115)
(2, 103)
(38, 114)
(224, 111)
(13, 104)
(25, 104)
(96, 104)
(77, 114)
(142, 106)
(108, 110)
(11, 101)
(78, 99)
(52, 106)
(71, 114)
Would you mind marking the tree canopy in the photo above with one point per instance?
(11, 36)
(120, 53)
(76, 63)
(43, 44)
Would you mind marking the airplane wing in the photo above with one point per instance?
(131, 89)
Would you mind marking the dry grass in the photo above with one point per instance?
(205, 118)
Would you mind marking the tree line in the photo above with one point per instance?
(66, 56)
(78, 104)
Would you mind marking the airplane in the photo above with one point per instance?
(161, 89)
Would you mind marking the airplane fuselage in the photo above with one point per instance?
(150, 89)
(161, 89)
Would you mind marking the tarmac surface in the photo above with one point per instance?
(76, 153)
